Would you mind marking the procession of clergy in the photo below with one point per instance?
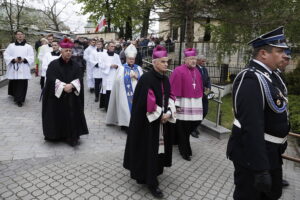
(157, 112)
(145, 105)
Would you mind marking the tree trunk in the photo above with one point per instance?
(108, 29)
(146, 16)
(189, 32)
(56, 26)
(189, 23)
(128, 29)
(9, 12)
(182, 37)
(121, 32)
(207, 33)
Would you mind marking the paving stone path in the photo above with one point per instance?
(31, 168)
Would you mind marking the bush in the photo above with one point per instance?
(292, 81)
(294, 105)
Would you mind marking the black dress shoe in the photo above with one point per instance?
(188, 158)
(19, 104)
(73, 142)
(96, 99)
(156, 192)
(194, 134)
(285, 183)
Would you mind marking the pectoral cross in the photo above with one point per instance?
(194, 84)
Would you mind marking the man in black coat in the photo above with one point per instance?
(149, 145)
(62, 109)
(260, 128)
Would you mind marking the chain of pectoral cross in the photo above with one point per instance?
(194, 79)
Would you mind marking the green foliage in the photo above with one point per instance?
(243, 20)
(292, 81)
(294, 105)
(117, 11)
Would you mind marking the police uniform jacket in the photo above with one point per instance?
(247, 145)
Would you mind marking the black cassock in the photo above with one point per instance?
(63, 118)
(141, 153)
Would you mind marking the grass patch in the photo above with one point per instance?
(226, 111)
(294, 105)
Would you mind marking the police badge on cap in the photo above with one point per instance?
(273, 38)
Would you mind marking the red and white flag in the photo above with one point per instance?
(102, 23)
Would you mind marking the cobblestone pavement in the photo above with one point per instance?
(31, 168)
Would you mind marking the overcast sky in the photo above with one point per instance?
(71, 15)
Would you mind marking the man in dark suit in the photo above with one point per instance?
(260, 128)
(201, 60)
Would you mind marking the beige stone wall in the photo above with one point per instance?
(164, 29)
(90, 30)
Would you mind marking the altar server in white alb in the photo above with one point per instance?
(95, 60)
(126, 78)
(49, 57)
(89, 67)
(43, 50)
(110, 63)
(19, 57)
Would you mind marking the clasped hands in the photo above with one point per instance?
(114, 66)
(18, 60)
(68, 88)
(133, 75)
(165, 117)
(263, 181)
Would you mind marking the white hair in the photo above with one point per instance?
(201, 56)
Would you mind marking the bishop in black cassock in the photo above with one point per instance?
(149, 143)
(63, 110)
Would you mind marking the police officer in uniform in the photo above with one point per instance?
(261, 124)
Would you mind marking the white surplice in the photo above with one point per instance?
(89, 67)
(43, 50)
(118, 112)
(47, 59)
(96, 58)
(18, 70)
(108, 72)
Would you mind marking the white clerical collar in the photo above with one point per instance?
(263, 65)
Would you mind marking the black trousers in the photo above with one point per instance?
(18, 89)
(42, 82)
(244, 181)
(183, 131)
(98, 85)
(104, 100)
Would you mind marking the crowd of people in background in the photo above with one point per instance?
(155, 111)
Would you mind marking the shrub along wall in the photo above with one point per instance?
(293, 83)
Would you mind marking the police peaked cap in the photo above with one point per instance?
(273, 38)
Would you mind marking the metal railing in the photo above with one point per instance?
(147, 51)
(218, 100)
(2, 63)
(290, 157)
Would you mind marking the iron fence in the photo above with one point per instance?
(219, 74)
(148, 50)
